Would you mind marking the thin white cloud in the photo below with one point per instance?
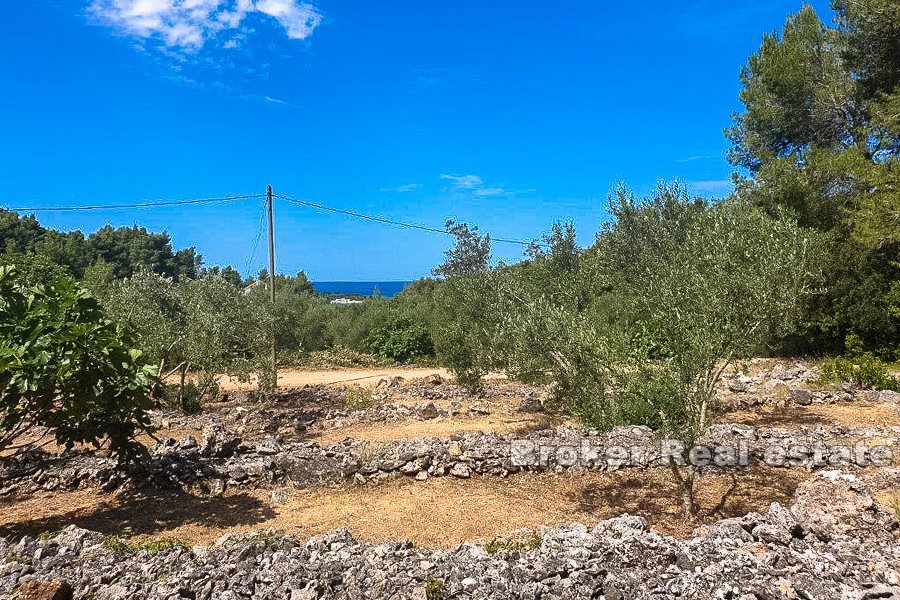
(489, 191)
(474, 185)
(189, 24)
(298, 19)
(407, 187)
(278, 101)
(701, 157)
(464, 182)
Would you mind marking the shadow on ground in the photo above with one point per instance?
(786, 418)
(147, 512)
(717, 496)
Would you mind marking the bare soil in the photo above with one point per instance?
(363, 377)
(438, 513)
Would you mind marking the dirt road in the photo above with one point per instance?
(363, 377)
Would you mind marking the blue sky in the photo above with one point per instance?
(508, 115)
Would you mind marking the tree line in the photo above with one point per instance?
(124, 249)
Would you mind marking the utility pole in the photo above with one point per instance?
(270, 209)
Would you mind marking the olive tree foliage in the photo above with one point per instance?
(226, 332)
(204, 326)
(300, 316)
(149, 305)
(467, 308)
(673, 291)
(66, 368)
(638, 328)
(696, 286)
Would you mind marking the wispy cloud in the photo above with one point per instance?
(716, 187)
(489, 191)
(275, 103)
(475, 185)
(278, 101)
(407, 187)
(693, 158)
(464, 182)
(188, 25)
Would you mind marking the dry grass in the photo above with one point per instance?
(890, 499)
(439, 513)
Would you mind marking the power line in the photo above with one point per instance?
(144, 204)
(297, 201)
(262, 223)
(387, 221)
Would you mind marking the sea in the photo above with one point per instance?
(360, 288)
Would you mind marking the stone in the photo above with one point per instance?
(738, 386)
(304, 594)
(836, 504)
(800, 397)
(531, 404)
(280, 496)
(461, 470)
(433, 380)
(469, 584)
(889, 396)
(56, 589)
(772, 534)
(427, 411)
(454, 449)
(237, 473)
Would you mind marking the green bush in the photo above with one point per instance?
(435, 590)
(65, 367)
(400, 340)
(864, 369)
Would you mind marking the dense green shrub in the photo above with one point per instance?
(864, 369)
(330, 358)
(300, 315)
(65, 367)
(349, 326)
(400, 340)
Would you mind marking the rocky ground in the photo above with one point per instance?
(832, 542)
(836, 539)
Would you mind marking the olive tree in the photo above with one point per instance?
(193, 330)
(150, 306)
(674, 290)
(225, 332)
(467, 308)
